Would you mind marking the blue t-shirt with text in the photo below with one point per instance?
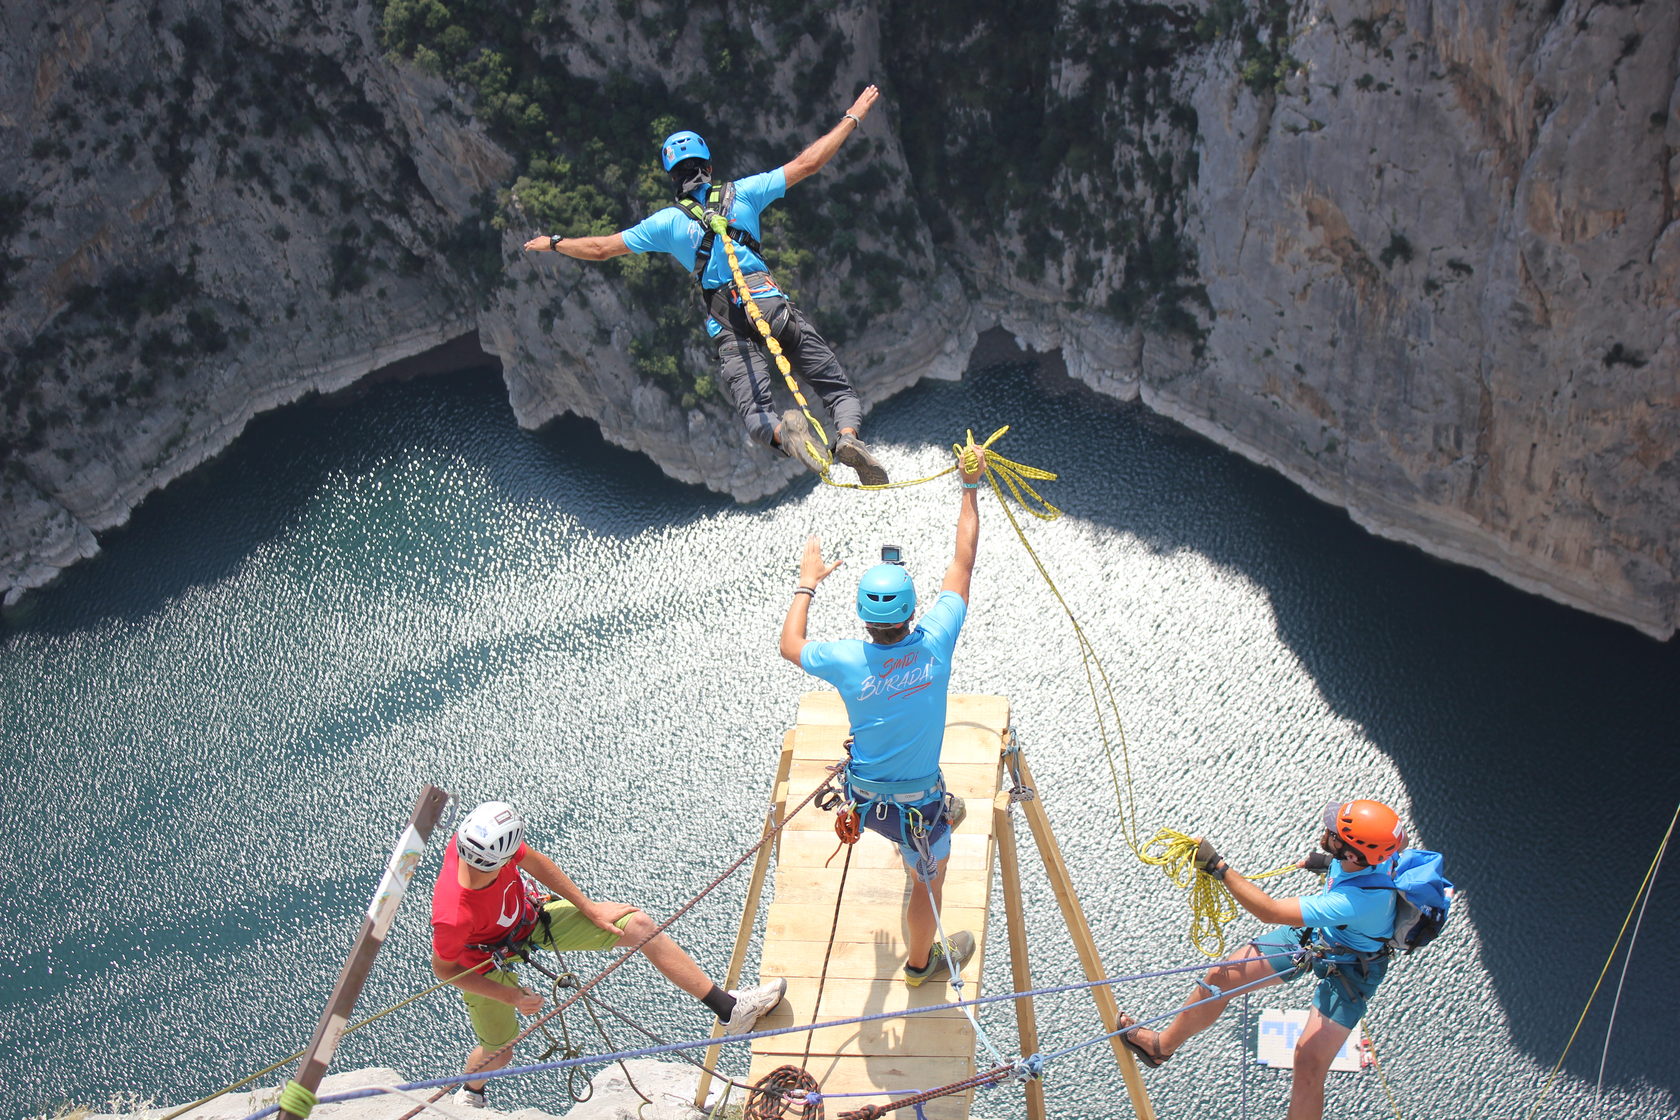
(1368, 913)
(895, 695)
(672, 231)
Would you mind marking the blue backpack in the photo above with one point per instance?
(1423, 897)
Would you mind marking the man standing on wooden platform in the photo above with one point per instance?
(894, 686)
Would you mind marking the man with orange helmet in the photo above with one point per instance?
(1339, 935)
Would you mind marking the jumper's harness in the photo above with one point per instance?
(720, 202)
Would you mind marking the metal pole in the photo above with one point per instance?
(398, 871)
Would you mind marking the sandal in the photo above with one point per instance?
(1152, 1059)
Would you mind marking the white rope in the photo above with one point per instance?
(1650, 888)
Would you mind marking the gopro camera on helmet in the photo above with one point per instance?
(892, 554)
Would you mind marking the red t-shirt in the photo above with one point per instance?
(462, 917)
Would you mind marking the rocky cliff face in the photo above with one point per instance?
(1421, 257)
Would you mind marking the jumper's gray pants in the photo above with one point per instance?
(746, 367)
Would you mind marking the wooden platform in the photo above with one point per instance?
(865, 968)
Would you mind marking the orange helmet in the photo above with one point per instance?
(1370, 828)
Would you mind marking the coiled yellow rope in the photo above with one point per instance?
(1211, 904)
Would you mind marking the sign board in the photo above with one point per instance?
(1279, 1030)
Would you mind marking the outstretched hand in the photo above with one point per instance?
(972, 456)
(812, 570)
(865, 100)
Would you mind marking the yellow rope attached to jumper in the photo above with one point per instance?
(1212, 906)
(720, 224)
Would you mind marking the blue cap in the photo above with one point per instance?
(683, 145)
(886, 595)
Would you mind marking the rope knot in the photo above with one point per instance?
(1029, 1068)
(296, 1099)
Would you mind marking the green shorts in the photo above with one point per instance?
(562, 928)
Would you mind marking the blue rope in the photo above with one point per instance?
(1173, 1014)
(676, 1047)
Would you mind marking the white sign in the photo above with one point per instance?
(404, 859)
(1280, 1029)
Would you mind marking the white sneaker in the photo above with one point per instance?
(752, 1004)
(468, 1098)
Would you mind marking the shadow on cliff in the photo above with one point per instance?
(1493, 704)
(296, 470)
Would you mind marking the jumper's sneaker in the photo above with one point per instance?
(796, 443)
(468, 1098)
(753, 1004)
(851, 451)
(938, 967)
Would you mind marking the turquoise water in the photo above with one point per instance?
(212, 731)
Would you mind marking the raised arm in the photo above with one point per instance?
(812, 571)
(583, 248)
(961, 571)
(811, 160)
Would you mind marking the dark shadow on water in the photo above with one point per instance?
(1537, 742)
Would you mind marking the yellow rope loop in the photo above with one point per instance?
(820, 449)
(1013, 475)
(1211, 906)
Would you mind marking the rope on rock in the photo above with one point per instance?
(774, 1092)
(296, 1054)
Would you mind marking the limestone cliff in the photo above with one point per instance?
(1421, 257)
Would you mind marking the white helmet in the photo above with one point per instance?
(490, 835)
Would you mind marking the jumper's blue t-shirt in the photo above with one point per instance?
(1367, 913)
(895, 695)
(672, 231)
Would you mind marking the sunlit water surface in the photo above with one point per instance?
(211, 732)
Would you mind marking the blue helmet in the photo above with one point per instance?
(683, 145)
(886, 595)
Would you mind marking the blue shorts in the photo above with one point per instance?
(1344, 988)
(897, 823)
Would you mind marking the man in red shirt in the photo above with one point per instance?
(482, 904)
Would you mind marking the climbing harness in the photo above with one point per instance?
(720, 202)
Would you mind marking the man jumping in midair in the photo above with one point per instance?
(682, 231)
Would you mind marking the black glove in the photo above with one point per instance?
(1208, 860)
(1317, 861)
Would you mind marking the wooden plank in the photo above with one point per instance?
(1085, 947)
(858, 922)
(862, 997)
(749, 910)
(1020, 971)
(803, 885)
(854, 960)
(813, 849)
(910, 1038)
(865, 952)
